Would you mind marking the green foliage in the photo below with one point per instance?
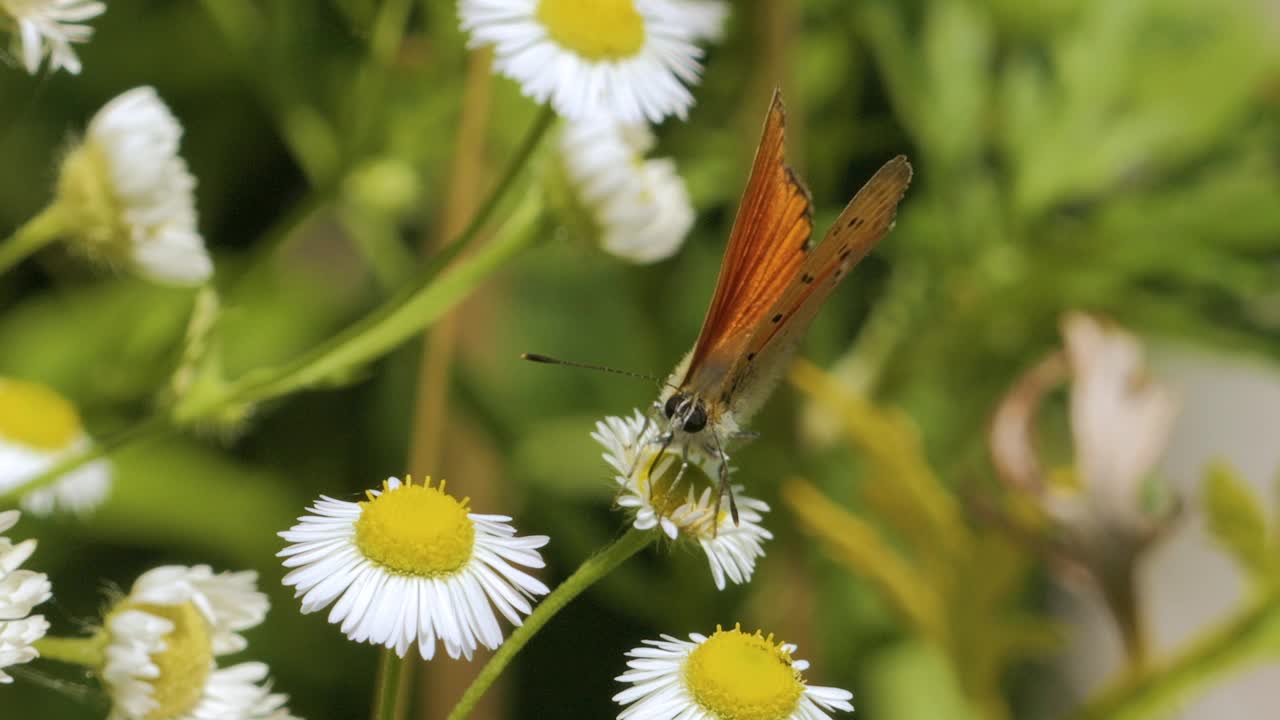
(954, 586)
(1110, 156)
(1237, 522)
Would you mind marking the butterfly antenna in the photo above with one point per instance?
(548, 360)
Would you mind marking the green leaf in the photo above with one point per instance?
(1237, 522)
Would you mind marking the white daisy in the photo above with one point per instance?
(128, 196)
(163, 640)
(626, 59)
(20, 591)
(411, 565)
(639, 208)
(38, 429)
(47, 28)
(631, 446)
(728, 675)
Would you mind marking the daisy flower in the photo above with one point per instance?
(163, 641)
(411, 564)
(47, 28)
(728, 675)
(630, 447)
(38, 429)
(639, 209)
(20, 591)
(127, 195)
(631, 60)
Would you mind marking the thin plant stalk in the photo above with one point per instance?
(591, 571)
(36, 233)
(390, 678)
(439, 683)
(381, 331)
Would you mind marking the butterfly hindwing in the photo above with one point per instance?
(766, 250)
(866, 219)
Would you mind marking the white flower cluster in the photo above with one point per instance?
(20, 591)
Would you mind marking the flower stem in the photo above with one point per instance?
(155, 426)
(1253, 635)
(37, 232)
(390, 672)
(86, 652)
(434, 293)
(592, 569)
(384, 330)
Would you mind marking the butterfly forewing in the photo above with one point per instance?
(866, 219)
(766, 250)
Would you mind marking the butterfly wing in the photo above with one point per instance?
(866, 219)
(766, 249)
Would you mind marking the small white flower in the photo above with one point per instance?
(639, 208)
(729, 675)
(412, 565)
(129, 196)
(20, 592)
(38, 429)
(47, 28)
(181, 619)
(631, 446)
(626, 59)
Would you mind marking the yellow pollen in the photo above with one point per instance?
(736, 676)
(416, 530)
(36, 417)
(184, 662)
(594, 29)
(662, 495)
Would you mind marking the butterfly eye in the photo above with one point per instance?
(697, 419)
(672, 403)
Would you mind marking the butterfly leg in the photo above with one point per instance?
(666, 443)
(724, 488)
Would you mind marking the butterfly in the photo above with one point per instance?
(772, 283)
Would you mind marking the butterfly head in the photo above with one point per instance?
(685, 412)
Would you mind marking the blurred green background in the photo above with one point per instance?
(1119, 157)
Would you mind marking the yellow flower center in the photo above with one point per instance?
(736, 676)
(664, 495)
(416, 530)
(594, 29)
(185, 661)
(36, 417)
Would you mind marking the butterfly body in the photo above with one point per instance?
(772, 283)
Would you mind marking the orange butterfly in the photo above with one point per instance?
(771, 284)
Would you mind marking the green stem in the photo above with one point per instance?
(39, 231)
(405, 315)
(382, 331)
(593, 569)
(385, 38)
(1253, 635)
(393, 323)
(86, 652)
(152, 427)
(390, 672)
